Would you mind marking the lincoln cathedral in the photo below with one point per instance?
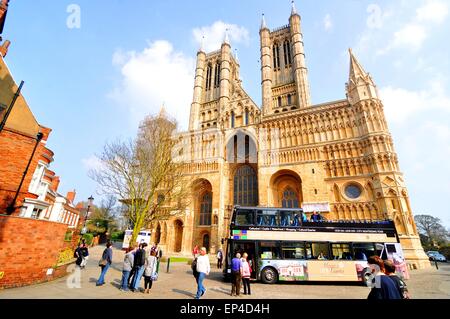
(337, 157)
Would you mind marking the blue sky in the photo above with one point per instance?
(95, 83)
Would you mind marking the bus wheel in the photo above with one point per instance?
(269, 275)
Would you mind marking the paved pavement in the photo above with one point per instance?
(180, 284)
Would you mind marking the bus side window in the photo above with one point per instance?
(362, 251)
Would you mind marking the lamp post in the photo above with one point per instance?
(89, 204)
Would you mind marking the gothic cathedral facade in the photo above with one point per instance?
(336, 157)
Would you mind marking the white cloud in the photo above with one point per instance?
(92, 163)
(400, 32)
(215, 34)
(400, 104)
(433, 11)
(327, 22)
(411, 35)
(158, 75)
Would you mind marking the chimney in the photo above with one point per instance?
(71, 196)
(4, 48)
(55, 184)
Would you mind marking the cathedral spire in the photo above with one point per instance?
(360, 85)
(227, 37)
(263, 22)
(293, 10)
(202, 44)
(356, 70)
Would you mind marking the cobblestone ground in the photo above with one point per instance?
(180, 284)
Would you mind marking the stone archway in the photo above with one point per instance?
(164, 234)
(203, 199)
(178, 229)
(157, 238)
(286, 189)
(206, 241)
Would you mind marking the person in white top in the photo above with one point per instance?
(203, 269)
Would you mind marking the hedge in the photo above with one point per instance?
(88, 238)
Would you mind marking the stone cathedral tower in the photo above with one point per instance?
(337, 157)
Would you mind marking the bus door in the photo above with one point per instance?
(394, 253)
(249, 248)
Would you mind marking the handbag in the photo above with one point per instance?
(102, 262)
(154, 277)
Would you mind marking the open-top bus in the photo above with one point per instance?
(282, 248)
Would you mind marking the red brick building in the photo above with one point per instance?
(33, 215)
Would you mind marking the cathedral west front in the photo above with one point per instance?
(336, 157)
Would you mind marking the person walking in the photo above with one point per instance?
(246, 271)
(127, 266)
(139, 262)
(133, 251)
(195, 251)
(236, 275)
(389, 270)
(150, 272)
(219, 258)
(383, 287)
(85, 255)
(203, 269)
(194, 269)
(105, 263)
(78, 254)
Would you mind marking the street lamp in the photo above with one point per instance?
(89, 204)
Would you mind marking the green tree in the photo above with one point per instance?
(103, 219)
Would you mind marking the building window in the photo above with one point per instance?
(246, 117)
(287, 53)
(217, 75)
(232, 119)
(208, 77)
(279, 101)
(353, 191)
(276, 56)
(36, 179)
(206, 209)
(289, 98)
(36, 212)
(245, 187)
(161, 198)
(290, 198)
(247, 148)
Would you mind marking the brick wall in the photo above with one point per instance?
(28, 248)
(15, 152)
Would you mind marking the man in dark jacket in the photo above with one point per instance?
(139, 262)
(78, 254)
(105, 263)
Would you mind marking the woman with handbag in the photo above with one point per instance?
(150, 272)
(104, 263)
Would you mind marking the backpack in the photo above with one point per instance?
(194, 266)
(404, 289)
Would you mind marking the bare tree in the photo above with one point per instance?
(431, 229)
(143, 174)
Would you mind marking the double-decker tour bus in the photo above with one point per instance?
(281, 247)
